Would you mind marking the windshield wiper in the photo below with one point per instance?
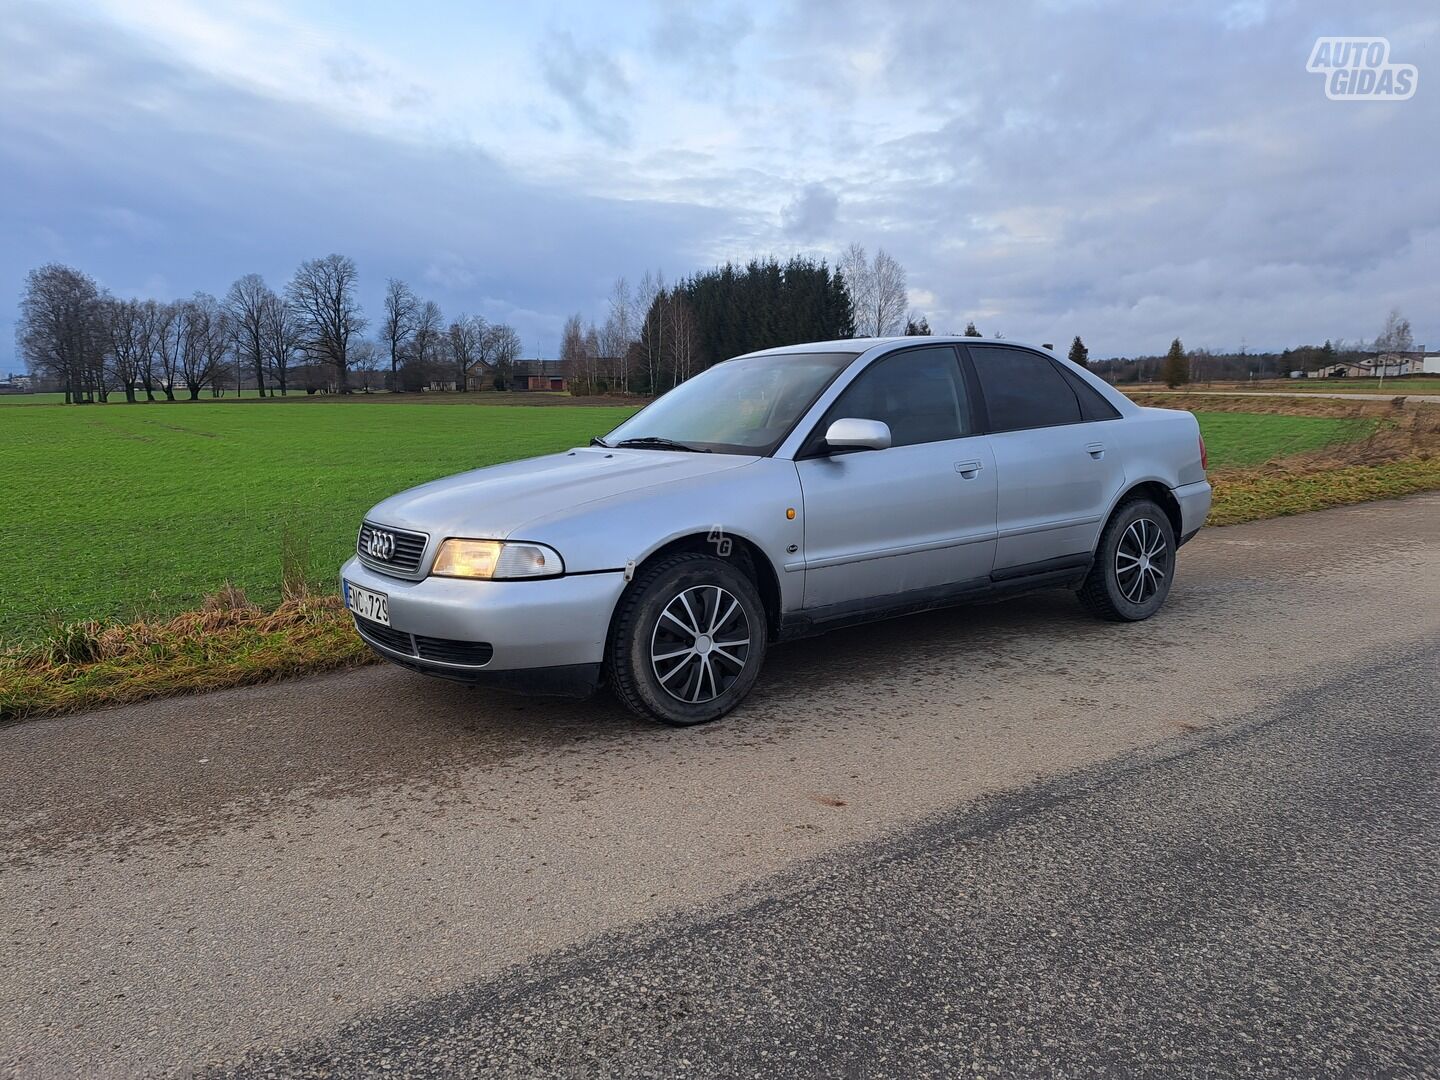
(653, 442)
(596, 440)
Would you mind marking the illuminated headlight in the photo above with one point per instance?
(493, 560)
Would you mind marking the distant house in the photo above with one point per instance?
(1388, 365)
(1344, 369)
(538, 375)
(16, 384)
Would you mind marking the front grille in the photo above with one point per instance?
(404, 559)
(437, 650)
(384, 635)
(454, 652)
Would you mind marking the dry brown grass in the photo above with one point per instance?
(227, 642)
(1400, 457)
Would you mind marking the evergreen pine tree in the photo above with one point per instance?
(1176, 371)
(970, 330)
(1079, 354)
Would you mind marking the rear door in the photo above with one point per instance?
(917, 516)
(1056, 458)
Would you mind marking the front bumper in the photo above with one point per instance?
(551, 623)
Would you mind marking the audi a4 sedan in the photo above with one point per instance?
(773, 496)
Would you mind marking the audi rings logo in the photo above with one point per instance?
(380, 545)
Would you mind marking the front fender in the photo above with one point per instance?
(749, 503)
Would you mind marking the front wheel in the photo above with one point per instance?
(688, 640)
(1134, 564)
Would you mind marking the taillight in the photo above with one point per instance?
(1204, 461)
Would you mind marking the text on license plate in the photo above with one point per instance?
(374, 606)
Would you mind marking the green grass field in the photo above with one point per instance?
(1236, 439)
(119, 511)
(114, 511)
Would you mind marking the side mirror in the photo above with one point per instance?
(849, 433)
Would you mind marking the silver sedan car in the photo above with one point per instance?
(774, 496)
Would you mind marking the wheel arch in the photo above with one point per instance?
(742, 552)
(1159, 493)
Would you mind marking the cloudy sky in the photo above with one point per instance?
(1128, 172)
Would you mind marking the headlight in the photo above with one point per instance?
(493, 560)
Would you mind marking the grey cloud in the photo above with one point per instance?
(701, 43)
(1175, 171)
(244, 183)
(811, 214)
(590, 82)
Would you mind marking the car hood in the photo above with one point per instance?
(492, 503)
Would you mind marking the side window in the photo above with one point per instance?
(1092, 405)
(1023, 389)
(919, 393)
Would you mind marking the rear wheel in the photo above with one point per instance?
(688, 640)
(1134, 564)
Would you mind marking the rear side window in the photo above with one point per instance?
(1023, 389)
(918, 393)
(1092, 405)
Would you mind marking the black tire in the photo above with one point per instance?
(648, 665)
(1134, 564)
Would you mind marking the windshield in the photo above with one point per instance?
(737, 407)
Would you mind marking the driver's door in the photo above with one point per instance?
(914, 518)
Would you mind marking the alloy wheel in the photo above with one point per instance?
(1142, 560)
(700, 644)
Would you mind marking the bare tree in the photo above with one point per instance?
(650, 326)
(877, 291)
(854, 267)
(204, 336)
(280, 334)
(365, 359)
(573, 355)
(426, 342)
(168, 327)
(890, 295)
(151, 313)
(465, 343)
(1396, 337)
(322, 292)
(684, 343)
(501, 349)
(126, 336)
(60, 331)
(247, 307)
(619, 331)
(402, 312)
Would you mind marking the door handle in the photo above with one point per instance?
(1096, 450)
(968, 469)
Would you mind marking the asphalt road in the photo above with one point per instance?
(1260, 901)
(1006, 837)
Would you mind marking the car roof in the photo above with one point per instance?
(862, 345)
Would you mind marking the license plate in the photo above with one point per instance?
(374, 606)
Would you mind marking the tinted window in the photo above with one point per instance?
(1092, 405)
(919, 393)
(1023, 389)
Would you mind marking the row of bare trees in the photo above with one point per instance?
(648, 339)
(420, 347)
(76, 335)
